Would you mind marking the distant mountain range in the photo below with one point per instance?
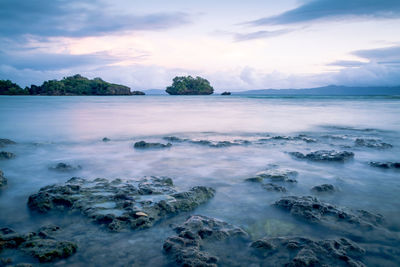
(326, 90)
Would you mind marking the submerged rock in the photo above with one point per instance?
(300, 137)
(41, 245)
(385, 165)
(274, 187)
(3, 180)
(351, 222)
(185, 248)
(278, 175)
(324, 188)
(145, 145)
(6, 155)
(301, 251)
(4, 142)
(372, 143)
(216, 144)
(120, 204)
(64, 167)
(325, 155)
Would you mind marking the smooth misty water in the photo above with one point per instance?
(70, 129)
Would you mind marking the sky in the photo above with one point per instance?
(236, 45)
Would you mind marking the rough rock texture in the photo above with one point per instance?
(352, 222)
(325, 155)
(278, 175)
(324, 188)
(372, 143)
(41, 245)
(385, 165)
(64, 167)
(4, 142)
(3, 180)
(301, 251)
(185, 248)
(145, 145)
(120, 204)
(6, 155)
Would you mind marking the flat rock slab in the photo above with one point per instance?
(185, 248)
(118, 204)
(301, 251)
(325, 155)
(216, 144)
(41, 244)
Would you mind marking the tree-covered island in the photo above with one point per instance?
(188, 85)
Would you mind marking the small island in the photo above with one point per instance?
(190, 86)
(226, 93)
(73, 85)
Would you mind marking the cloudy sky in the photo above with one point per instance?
(235, 44)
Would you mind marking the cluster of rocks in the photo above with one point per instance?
(185, 248)
(216, 144)
(120, 204)
(146, 145)
(3, 180)
(301, 251)
(41, 244)
(372, 143)
(385, 165)
(64, 167)
(324, 155)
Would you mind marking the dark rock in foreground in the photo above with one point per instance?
(41, 245)
(385, 165)
(325, 155)
(3, 180)
(354, 223)
(372, 143)
(324, 188)
(64, 167)
(145, 145)
(185, 248)
(120, 204)
(301, 251)
(6, 155)
(4, 142)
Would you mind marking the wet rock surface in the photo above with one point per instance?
(385, 165)
(351, 222)
(301, 251)
(41, 245)
(325, 155)
(3, 180)
(186, 248)
(6, 155)
(324, 188)
(118, 204)
(372, 143)
(145, 145)
(4, 142)
(64, 167)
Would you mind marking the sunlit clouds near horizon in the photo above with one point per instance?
(235, 44)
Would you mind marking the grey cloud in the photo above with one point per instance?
(387, 55)
(259, 35)
(347, 63)
(333, 10)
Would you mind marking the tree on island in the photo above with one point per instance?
(7, 87)
(190, 86)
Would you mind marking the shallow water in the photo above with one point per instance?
(50, 130)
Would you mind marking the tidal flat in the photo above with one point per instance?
(200, 181)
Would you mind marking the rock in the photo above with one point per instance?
(118, 204)
(300, 137)
(302, 251)
(185, 248)
(145, 145)
(4, 142)
(137, 93)
(6, 155)
(226, 93)
(174, 139)
(3, 180)
(323, 188)
(64, 167)
(325, 156)
(351, 222)
(274, 187)
(385, 165)
(278, 175)
(41, 245)
(106, 139)
(372, 143)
